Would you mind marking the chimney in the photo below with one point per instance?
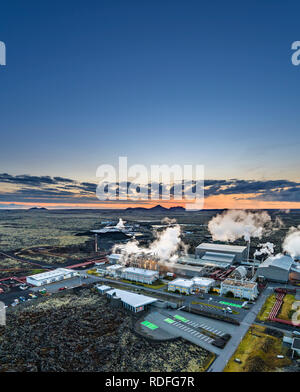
(96, 243)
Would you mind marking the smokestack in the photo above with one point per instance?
(96, 243)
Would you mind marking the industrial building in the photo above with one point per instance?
(188, 271)
(134, 302)
(115, 258)
(189, 286)
(140, 275)
(114, 270)
(276, 268)
(51, 276)
(239, 288)
(221, 256)
(184, 286)
(203, 285)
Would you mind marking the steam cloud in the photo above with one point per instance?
(121, 224)
(234, 224)
(165, 247)
(291, 243)
(265, 249)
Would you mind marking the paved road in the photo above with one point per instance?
(220, 363)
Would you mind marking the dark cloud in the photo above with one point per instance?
(26, 179)
(60, 189)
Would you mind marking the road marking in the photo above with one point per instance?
(169, 321)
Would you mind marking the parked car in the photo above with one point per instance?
(237, 360)
(62, 288)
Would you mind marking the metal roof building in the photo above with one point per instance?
(182, 269)
(276, 268)
(131, 301)
(50, 276)
(115, 258)
(219, 260)
(182, 285)
(140, 275)
(239, 253)
(189, 286)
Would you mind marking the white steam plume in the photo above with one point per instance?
(265, 249)
(165, 247)
(234, 224)
(291, 243)
(121, 224)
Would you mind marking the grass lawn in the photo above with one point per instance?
(156, 285)
(258, 352)
(37, 271)
(266, 309)
(285, 311)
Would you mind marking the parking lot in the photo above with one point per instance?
(196, 329)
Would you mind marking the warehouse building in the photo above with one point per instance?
(221, 253)
(190, 286)
(51, 276)
(140, 275)
(239, 288)
(184, 270)
(131, 301)
(276, 268)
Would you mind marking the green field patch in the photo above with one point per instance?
(181, 318)
(168, 320)
(230, 304)
(149, 325)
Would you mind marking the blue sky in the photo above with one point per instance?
(185, 82)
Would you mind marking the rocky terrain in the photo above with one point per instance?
(82, 332)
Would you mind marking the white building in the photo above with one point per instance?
(115, 258)
(103, 288)
(239, 288)
(140, 275)
(114, 270)
(203, 285)
(51, 276)
(189, 286)
(182, 285)
(134, 302)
